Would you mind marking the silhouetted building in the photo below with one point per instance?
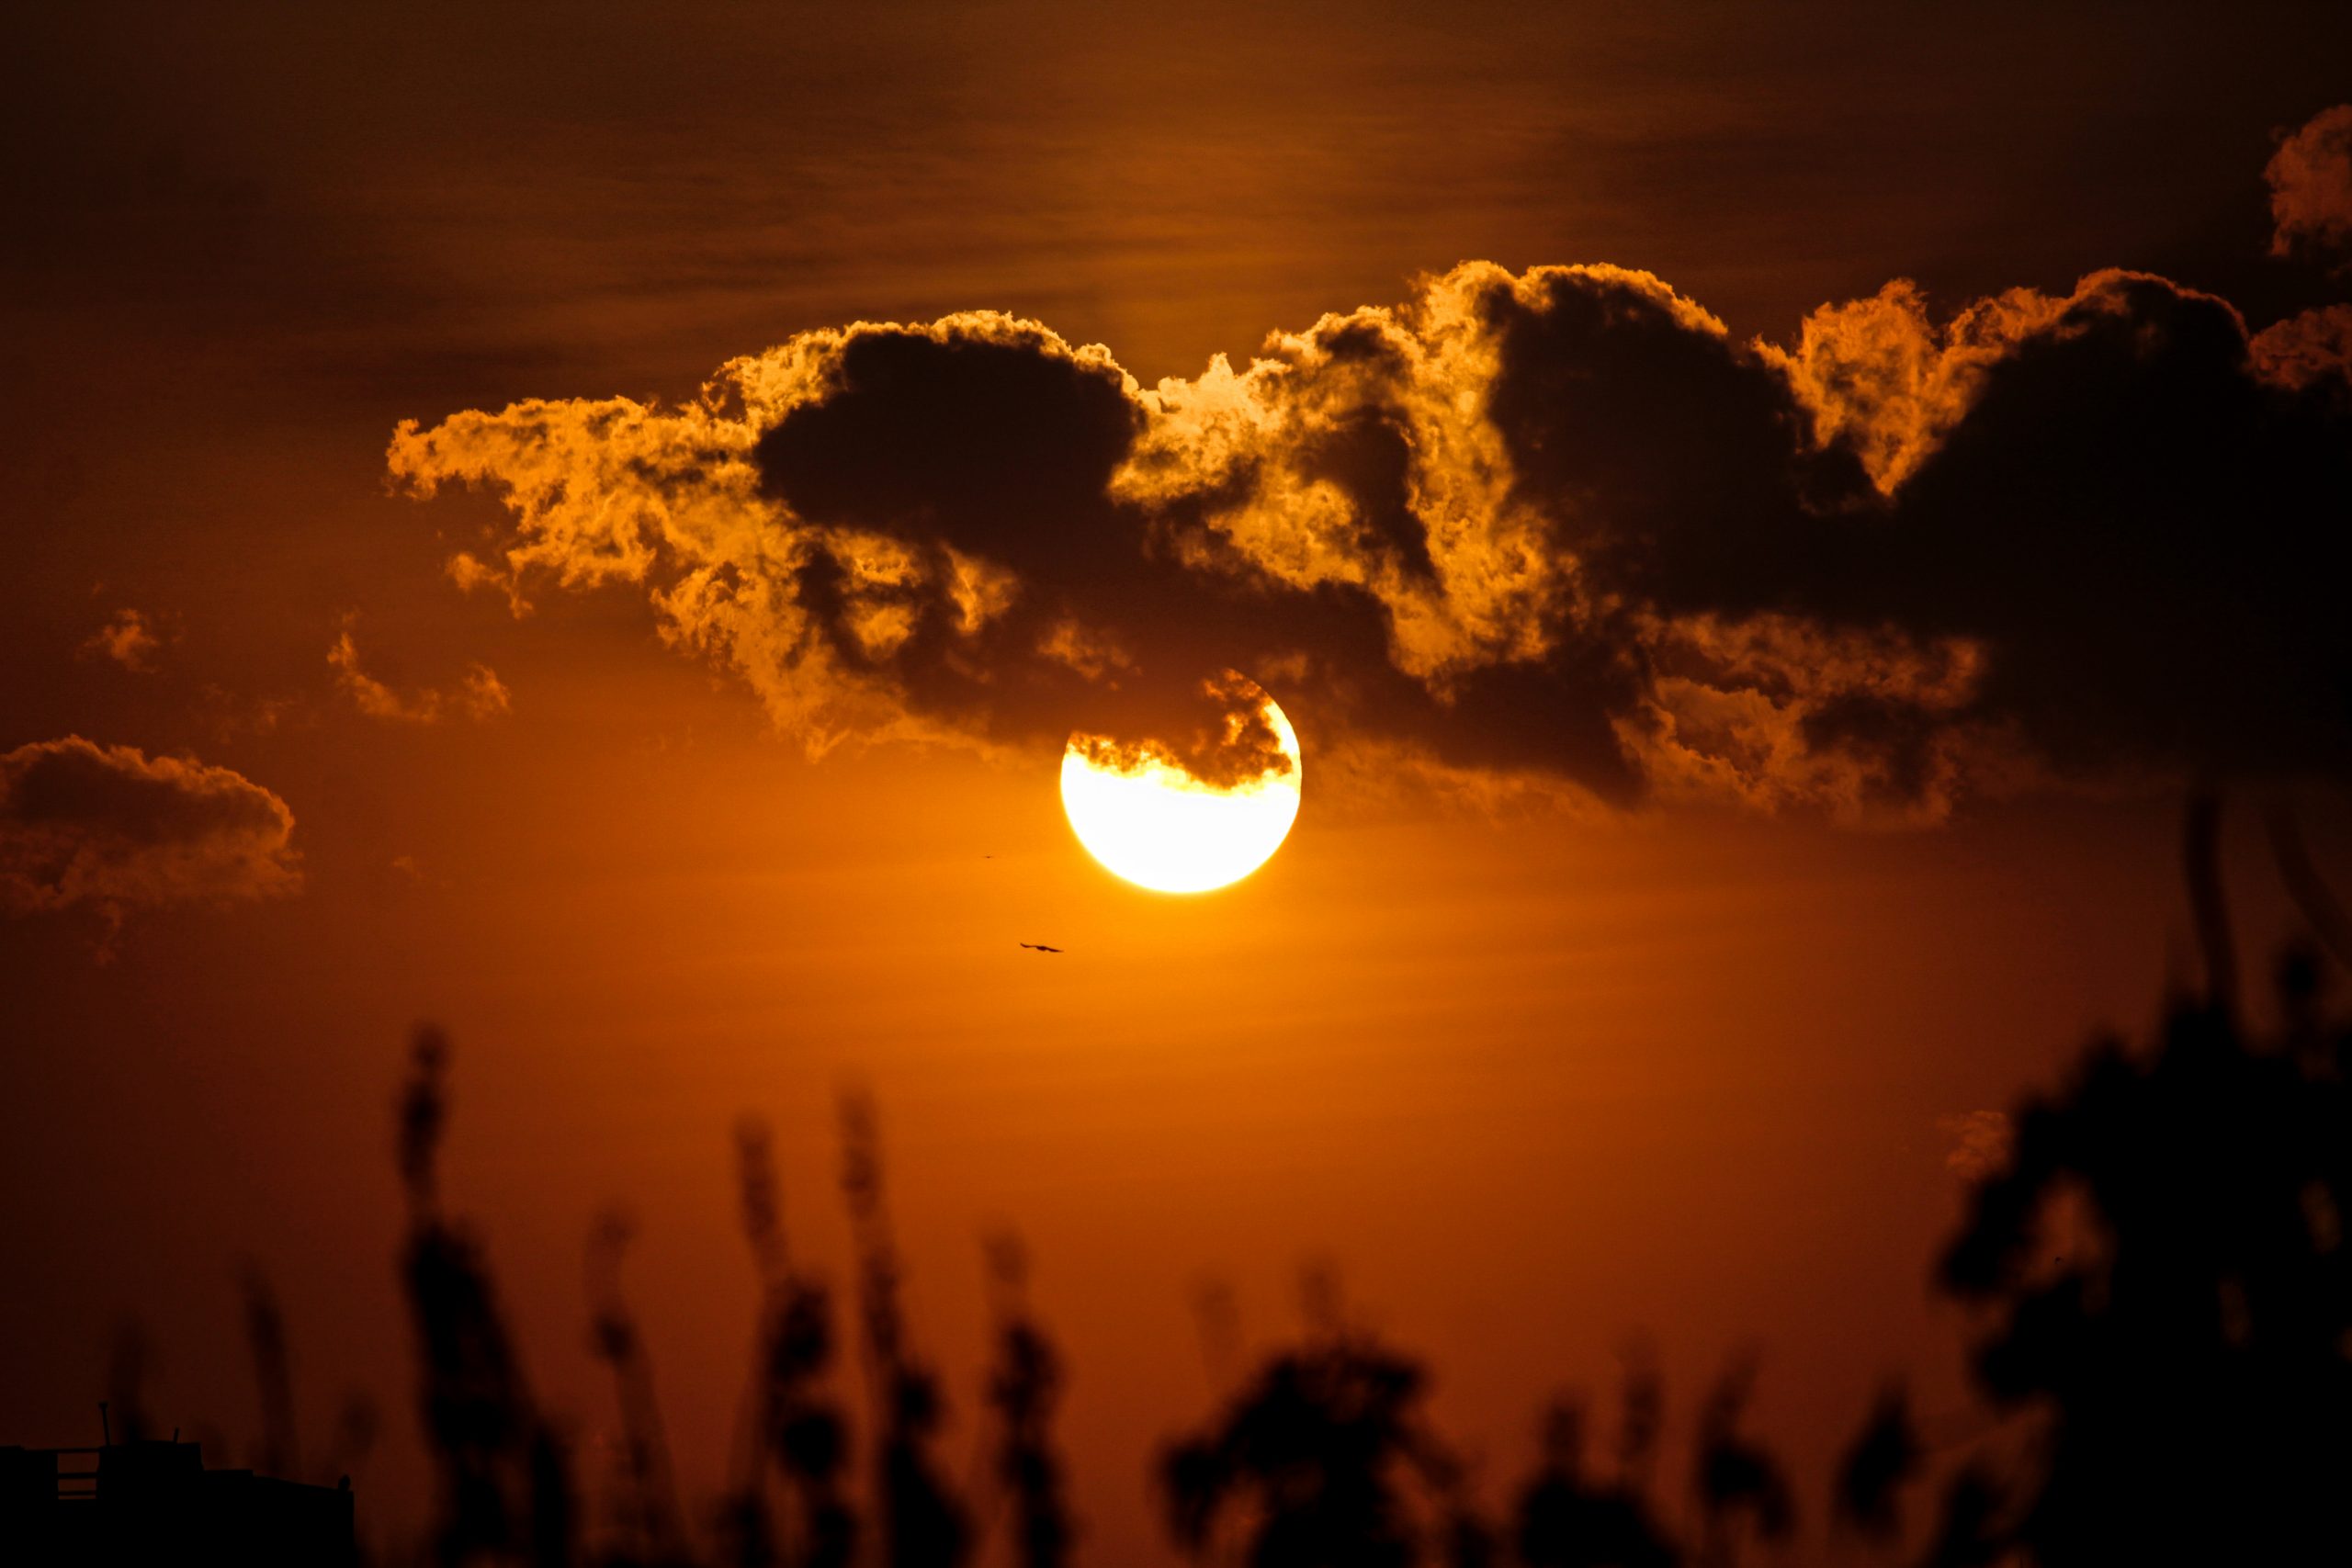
(137, 1504)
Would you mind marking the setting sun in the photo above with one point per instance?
(1161, 827)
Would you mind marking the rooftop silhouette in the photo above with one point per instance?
(151, 1500)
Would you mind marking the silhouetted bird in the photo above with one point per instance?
(1039, 947)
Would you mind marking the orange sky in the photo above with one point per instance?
(1530, 1076)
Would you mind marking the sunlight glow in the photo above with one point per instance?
(1162, 829)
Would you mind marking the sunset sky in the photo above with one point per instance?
(594, 526)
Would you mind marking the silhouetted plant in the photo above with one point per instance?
(1642, 1417)
(2159, 1273)
(1883, 1456)
(654, 1532)
(505, 1492)
(1740, 1486)
(922, 1525)
(792, 1422)
(1969, 1534)
(1023, 1388)
(554, 1531)
(273, 1376)
(1324, 1461)
(424, 1117)
(1568, 1518)
(1574, 1519)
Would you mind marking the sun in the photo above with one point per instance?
(1162, 829)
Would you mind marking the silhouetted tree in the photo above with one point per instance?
(2165, 1288)
(2188, 1345)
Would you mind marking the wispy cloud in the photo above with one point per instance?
(479, 694)
(129, 638)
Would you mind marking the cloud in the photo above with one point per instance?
(1883, 377)
(479, 694)
(110, 829)
(1981, 1143)
(1555, 525)
(2143, 534)
(2307, 352)
(2311, 185)
(129, 638)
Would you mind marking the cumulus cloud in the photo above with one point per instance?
(479, 694)
(2311, 185)
(109, 829)
(129, 638)
(1556, 524)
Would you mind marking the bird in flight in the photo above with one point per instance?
(1039, 947)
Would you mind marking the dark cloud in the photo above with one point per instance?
(2152, 540)
(996, 445)
(1557, 523)
(110, 829)
(976, 560)
(1671, 462)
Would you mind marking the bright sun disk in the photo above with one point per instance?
(1161, 827)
